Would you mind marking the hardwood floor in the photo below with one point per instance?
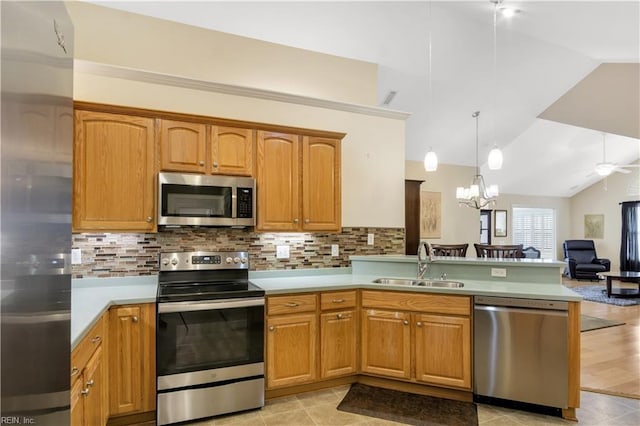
(610, 357)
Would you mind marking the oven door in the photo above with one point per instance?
(209, 335)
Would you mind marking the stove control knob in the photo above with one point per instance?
(229, 260)
(165, 261)
(236, 260)
(174, 261)
(243, 260)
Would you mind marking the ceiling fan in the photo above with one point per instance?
(605, 168)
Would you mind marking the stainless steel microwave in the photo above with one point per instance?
(198, 200)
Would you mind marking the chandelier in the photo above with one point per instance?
(477, 195)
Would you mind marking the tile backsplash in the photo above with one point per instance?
(121, 254)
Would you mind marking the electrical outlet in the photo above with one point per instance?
(335, 250)
(76, 256)
(282, 252)
(499, 272)
(370, 239)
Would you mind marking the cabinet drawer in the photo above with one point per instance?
(436, 303)
(292, 303)
(337, 300)
(87, 346)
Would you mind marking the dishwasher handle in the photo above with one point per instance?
(555, 305)
(511, 310)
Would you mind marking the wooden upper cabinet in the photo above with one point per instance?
(298, 183)
(114, 172)
(278, 181)
(231, 151)
(183, 146)
(321, 198)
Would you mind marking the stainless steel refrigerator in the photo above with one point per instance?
(36, 148)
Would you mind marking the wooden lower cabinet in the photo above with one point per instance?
(94, 410)
(338, 355)
(132, 359)
(443, 350)
(386, 343)
(291, 349)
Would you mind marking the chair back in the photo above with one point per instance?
(499, 251)
(583, 251)
(531, 252)
(455, 250)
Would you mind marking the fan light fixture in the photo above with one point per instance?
(477, 195)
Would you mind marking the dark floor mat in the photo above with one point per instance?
(408, 408)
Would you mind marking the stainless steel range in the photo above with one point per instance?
(209, 336)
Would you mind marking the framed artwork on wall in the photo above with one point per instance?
(594, 226)
(430, 214)
(500, 223)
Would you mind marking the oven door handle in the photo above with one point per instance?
(172, 307)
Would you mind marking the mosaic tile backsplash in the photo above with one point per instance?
(120, 254)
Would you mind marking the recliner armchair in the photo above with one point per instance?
(582, 261)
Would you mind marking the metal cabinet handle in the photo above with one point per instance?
(291, 305)
(149, 218)
(306, 221)
(84, 392)
(337, 301)
(134, 319)
(215, 165)
(74, 371)
(272, 328)
(201, 163)
(419, 324)
(405, 322)
(90, 383)
(96, 339)
(295, 220)
(339, 316)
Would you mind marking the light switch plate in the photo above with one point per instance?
(282, 252)
(499, 272)
(370, 239)
(76, 256)
(335, 250)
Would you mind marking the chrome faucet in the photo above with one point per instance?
(424, 258)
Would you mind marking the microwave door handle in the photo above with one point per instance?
(172, 307)
(234, 202)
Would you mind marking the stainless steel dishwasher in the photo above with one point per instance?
(520, 350)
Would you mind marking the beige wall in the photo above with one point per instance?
(601, 199)
(372, 152)
(115, 37)
(461, 224)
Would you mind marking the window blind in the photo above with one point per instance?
(535, 227)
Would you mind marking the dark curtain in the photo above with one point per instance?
(630, 243)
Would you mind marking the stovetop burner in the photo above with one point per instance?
(194, 276)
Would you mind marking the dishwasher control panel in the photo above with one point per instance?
(555, 305)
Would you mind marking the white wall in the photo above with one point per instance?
(604, 199)
(372, 152)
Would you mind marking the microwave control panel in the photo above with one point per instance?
(245, 203)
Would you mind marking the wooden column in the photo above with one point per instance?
(412, 215)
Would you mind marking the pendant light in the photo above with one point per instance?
(495, 155)
(430, 158)
(477, 195)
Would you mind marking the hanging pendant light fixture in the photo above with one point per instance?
(495, 155)
(430, 158)
(477, 195)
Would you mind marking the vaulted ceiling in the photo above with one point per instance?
(544, 59)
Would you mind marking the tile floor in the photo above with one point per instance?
(319, 408)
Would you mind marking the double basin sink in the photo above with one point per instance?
(419, 283)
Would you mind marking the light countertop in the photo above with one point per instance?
(91, 297)
(544, 263)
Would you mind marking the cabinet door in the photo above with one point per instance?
(338, 343)
(94, 412)
(278, 182)
(231, 151)
(386, 343)
(321, 185)
(77, 402)
(443, 350)
(132, 359)
(182, 146)
(114, 172)
(291, 350)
